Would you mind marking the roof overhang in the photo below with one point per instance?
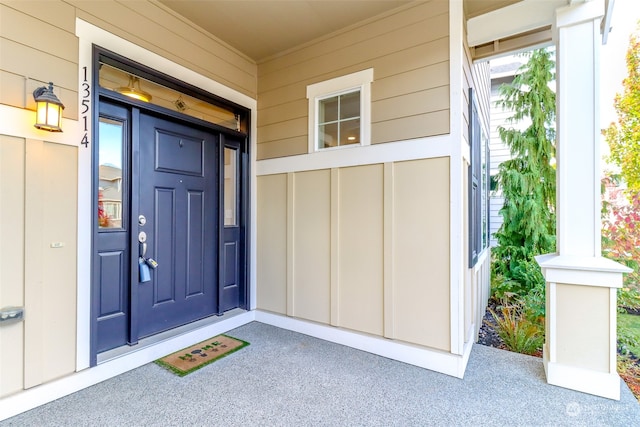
(524, 25)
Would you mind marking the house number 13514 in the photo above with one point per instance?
(86, 100)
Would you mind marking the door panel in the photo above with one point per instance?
(231, 263)
(112, 298)
(111, 234)
(113, 310)
(179, 198)
(195, 245)
(178, 153)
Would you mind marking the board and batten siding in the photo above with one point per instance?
(38, 179)
(365, 248)
(37, 261)
(408, 50)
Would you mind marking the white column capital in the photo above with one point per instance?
(582, 270)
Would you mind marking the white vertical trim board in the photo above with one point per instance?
(597, 232)
(335, 247)
(613, 329)
(85, 215)
(290, 243)
(552, 318)
(456, 261)
(388, 218)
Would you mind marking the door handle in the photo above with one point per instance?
(150, 262)
(142, 238)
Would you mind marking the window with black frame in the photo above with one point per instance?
(478, 184)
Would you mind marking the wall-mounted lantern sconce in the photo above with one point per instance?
(48, 109)
(133, 90)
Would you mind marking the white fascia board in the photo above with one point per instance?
(508, 21)
(606, 22)
(579, 11)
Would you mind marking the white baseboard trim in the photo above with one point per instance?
(601, 384)
(434, 360)
(31, 398)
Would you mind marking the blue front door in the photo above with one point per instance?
(174, 192)
(178, 216)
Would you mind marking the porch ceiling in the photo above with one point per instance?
(263, 28)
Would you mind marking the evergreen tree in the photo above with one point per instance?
(624, 138)
(527, 181)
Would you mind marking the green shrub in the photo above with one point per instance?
(523, 277)
(527, 181)
(517, 332)
(534, 305)
(629, 334)
(628, 297)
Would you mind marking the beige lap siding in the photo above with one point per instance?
(408, 50)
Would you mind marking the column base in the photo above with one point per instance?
(580, 346)
(601, 384)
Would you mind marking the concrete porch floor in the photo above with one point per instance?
(287, 379)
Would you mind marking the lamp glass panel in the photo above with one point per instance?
(53, 115)
(41, 112)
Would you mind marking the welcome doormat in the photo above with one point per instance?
(192, 358)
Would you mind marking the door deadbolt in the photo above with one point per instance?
(142, 237)
(142, 220)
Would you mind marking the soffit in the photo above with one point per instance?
(263, 28)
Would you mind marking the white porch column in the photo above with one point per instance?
(580, 347)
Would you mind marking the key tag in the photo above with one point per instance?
(145, 273)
